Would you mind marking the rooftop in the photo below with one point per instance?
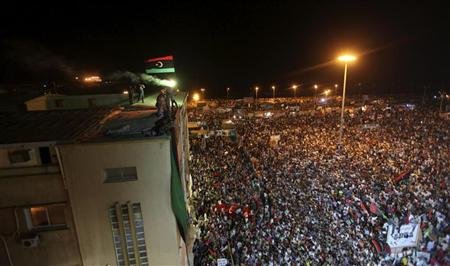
(45, 126)
(84, 125)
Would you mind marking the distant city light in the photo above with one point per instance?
(125, 92)
(93, 79)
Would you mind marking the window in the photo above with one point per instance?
(44, 153)
(121, 174)
(46, 217)
(19, 156)
(127, 226)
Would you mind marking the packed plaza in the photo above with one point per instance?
(273, 185)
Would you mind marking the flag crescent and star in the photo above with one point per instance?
(160, 65)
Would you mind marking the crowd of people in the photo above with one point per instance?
(306, 199)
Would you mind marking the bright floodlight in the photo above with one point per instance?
(196, 97)
(256, 88)
(347, 58)
(172, 83)
(273, 87)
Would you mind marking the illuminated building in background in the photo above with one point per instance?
(92, 79)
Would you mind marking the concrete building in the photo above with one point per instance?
(37, 226)
(113, 193)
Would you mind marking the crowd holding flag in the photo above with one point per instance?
(403, 176)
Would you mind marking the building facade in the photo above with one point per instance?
(99, 189)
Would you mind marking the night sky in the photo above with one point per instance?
(401, 46)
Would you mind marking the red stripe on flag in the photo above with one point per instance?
(165, 58)
(377, 246)
(401, 176)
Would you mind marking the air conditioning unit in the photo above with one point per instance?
(30, 242)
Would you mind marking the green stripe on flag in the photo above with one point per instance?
(177, 196)
(159, 70)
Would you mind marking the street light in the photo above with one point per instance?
(294, 87)
(326, 92)
(335, 88)
(315, 90)
(228, 90)
(345, 59)
(196, 97)
(273, 91)
(256, 92)
(203, 93)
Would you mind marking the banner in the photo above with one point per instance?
(407, 235)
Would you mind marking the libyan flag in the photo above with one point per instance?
(160, 65)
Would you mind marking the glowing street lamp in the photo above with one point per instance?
(326, 92)
(273, 91)
(256, 92)
(294, 87)
(346, 59)
(228, 91)
(196, 97)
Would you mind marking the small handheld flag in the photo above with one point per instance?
(402, 176)
(160, 65)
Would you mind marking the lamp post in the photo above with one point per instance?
(273, 92)
(228, 91)
(256, 92)
(335, 89)
(294, 87)
(345, 59)
(203, 93)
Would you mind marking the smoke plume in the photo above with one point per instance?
(35, 57)
(141, 78)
